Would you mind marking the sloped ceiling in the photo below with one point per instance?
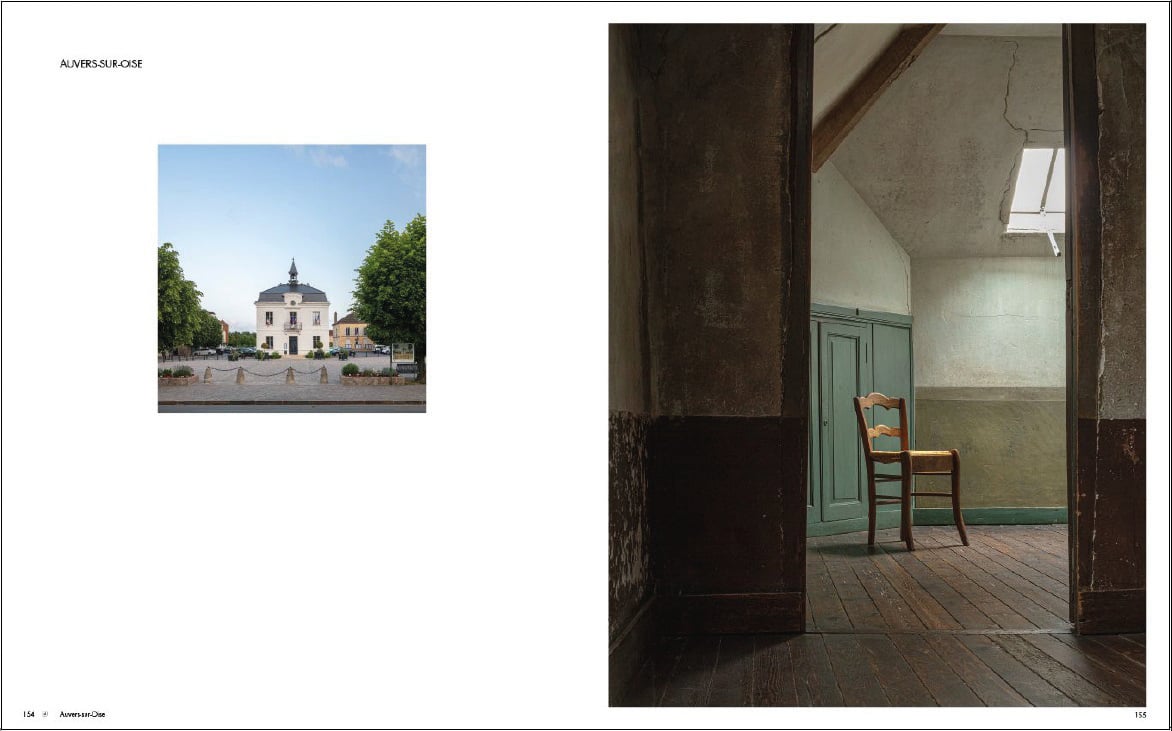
(842, 52)
(936, 156)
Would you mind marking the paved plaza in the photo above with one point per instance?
(265, 381)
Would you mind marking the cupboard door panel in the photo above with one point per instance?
(845, 373)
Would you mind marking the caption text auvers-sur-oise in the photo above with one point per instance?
(103, 63)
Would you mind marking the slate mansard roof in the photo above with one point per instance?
(277, 293)
(308, 293)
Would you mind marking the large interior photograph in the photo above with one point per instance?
(877, 389)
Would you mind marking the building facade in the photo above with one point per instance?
(350, 332)
(292, 318)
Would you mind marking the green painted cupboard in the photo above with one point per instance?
(852, 353)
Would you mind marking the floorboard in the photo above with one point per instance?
(947, 625)
(897, 678)
(1032, 686)
(815, 679)
(857, 673)
(732, 681)
(691, 680)
(986, 684)
(1097, 665)
(946, 687)
(775, 679)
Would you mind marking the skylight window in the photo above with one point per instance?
(1039, 197)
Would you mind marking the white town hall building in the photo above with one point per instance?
(292, 318)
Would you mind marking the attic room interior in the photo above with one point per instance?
(948, 214)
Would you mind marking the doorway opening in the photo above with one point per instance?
(938, 276)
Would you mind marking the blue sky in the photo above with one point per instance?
(238, 214)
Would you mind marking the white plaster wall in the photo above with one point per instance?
(855, 261)
(989, 322)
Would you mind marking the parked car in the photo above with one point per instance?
(410, 371)
(246, 352)
(383, 349)
(204, 351)
(333, 351)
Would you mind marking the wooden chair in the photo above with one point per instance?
(911, 462)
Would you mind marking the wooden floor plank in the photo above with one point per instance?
(947, 688)
(1025, 681)
(859, 607)
(826, 611)
(732, 681)
(775, 680)
(858, 677)
(994, 608)
(650, 682)
(896, 612)
(1069, 683)
(982, 680)
(1057, 570)
(929, 611)
(691, 681)
(1041, 608)
(900, 682)
(964, 612)
(1059, 589)
(1049, 546)
(1127, 646)
(1096, 664)
(816, 684)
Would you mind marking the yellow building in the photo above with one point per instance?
(350, 333)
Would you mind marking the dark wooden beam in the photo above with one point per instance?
(849, 110)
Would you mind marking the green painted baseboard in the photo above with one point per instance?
(990, 516)
(889, 518)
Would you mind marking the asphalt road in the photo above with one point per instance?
(299, 409)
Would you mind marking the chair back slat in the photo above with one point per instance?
(882, 430)
(878, 399)
(867, 432)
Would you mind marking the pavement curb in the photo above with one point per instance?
(321, 402)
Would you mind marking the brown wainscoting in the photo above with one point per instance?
(728, 518)
(1104, 612)
(1111, 516)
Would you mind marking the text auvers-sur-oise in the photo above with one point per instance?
(103, 63)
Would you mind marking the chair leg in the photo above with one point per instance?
(956, 515)
(905, 502)
(870, 505)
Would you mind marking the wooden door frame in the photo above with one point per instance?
(1092, 472)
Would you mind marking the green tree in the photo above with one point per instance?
(390, 292)
(242, 339)
(179, 310)
(208, 333)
